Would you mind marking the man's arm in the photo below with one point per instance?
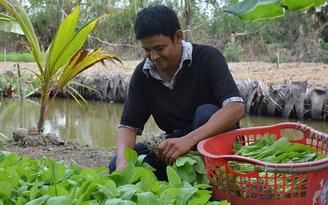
(125, 138)
(220, 121)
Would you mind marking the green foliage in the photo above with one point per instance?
(273, 55)
(233, 52)
(279, 151)
(5, 82)
(28, 83)
(65, 58)
(322, 59)
(191, 168)
(209, 24)
(273, 58)
(17, 57)
(252, 10)
(44, 181)
(322, 45)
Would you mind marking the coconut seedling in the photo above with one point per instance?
(63, 60)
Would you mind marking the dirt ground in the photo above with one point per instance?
(268, 73)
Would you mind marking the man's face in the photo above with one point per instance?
(164, 53)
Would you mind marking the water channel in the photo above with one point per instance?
(96, 124)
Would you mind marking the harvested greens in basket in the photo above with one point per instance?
(281, 151)
(266, 185)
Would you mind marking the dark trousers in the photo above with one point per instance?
(202, 115)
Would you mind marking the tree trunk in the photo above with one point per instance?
(61, 12)
(187, 17)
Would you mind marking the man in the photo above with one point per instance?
(187, 88)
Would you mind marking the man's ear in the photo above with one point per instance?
(178, 36)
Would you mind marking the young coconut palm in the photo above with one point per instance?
(64, 59)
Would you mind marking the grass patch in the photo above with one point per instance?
(17, 57)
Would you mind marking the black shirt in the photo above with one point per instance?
(206, 80)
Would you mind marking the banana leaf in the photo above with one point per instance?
(253, 10)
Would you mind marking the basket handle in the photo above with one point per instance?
(317, 135)
(308, 131)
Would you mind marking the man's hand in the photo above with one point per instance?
(120, 164)
(125, 138)
(171, 149)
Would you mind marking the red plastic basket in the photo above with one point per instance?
(269, 183)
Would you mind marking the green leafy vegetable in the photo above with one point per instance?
(191, 168)
(280, 151)
(27, 182)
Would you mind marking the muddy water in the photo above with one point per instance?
(96, 123)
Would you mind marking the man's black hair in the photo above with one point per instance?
(155, 20)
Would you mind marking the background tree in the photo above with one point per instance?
(300, 36)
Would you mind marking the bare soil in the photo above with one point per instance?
(268, 73)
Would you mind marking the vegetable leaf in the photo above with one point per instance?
(147, 198)
(174, 179)
(130, 155)
(148, 178)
